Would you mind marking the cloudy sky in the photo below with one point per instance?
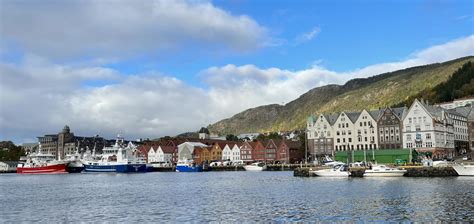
(153, 68)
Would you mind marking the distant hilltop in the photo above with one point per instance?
(434, 82)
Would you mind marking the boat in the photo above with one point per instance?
(383, 171)
(185, 165)
(255, 167)
(39, 163)
(119, 158)
(464, 169)
(329, 162)
(74, 163)
(335, 171)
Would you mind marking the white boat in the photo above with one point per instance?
(335, 171)
(464, 169)
(383, 171)
(329, 162)
(255, 167)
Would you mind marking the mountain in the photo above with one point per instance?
(384, 90)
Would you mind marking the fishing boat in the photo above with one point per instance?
(185, 165)
(39, 163)
(335, 171)
(119, 158)
(255, 167)
(464, 169)
(383, 171)
(74, 163)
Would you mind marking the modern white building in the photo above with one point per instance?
(186, 150)
(429, 129)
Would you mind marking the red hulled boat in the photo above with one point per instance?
(41, 164)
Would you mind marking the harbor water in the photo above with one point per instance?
(231, 197)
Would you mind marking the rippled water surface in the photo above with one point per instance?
(231, 197)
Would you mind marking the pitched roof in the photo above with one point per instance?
(168, 149)
(375, 114)
(331, 118)
(353, 116)
(400, 112)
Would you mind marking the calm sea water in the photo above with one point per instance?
(231, 197)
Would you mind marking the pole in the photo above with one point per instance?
(305, 146)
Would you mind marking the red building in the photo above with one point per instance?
(246, 152)
(258, 153)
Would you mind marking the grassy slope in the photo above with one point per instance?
(371, 93)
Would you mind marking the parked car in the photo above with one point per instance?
(237, 162)
(216, 163)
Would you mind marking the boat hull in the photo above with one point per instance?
(189, 169)
(254, 168)
(75, 167)
(51, 169)
(464, 170)
(119, 168)
(385, 174)
(331, 174)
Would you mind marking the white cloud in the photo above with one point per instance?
(39, 97)
(307, 36)
(102, 29)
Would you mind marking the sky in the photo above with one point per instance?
(151, 68)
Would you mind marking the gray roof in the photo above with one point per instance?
(375, 114)
(464, 111)
(331, 118)
(353, 116)
(400, 112)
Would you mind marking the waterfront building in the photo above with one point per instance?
(66, 142)
(344, 131)
(227, 153)
(283, 152)
(258, 152)
(460, 116)
(216, 151)
(457, 103)
(428, 128)
(246, 151)
(390, 124)
(186, 150)
(320, 135)
(236, 152)
(270, 150)
(366, 137)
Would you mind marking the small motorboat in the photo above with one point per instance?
(335, 171)
(255, 167)
(464, 169)
(185, 165)
(383, 171)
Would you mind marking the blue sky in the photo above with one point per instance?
(154, 68)
(354, 34)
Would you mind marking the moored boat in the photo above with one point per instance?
(383, 171)
(255, 167)
(187, 166)
(41, 164)
(118, 158)
(335, 171)
(464, 169)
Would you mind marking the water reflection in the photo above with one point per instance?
(232, 197)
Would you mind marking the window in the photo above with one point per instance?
(428, 136)
(408, 137)
(409, 120)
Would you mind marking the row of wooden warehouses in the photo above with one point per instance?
(208, 150)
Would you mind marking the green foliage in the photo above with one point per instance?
(10, 152)
(460, 84)
(397, 88)
(231, 137)
(272, 135)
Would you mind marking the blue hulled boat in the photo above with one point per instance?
(118, 158)
(187, 166)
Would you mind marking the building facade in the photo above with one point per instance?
(320, 135)
(390, 124)
(428, 129)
